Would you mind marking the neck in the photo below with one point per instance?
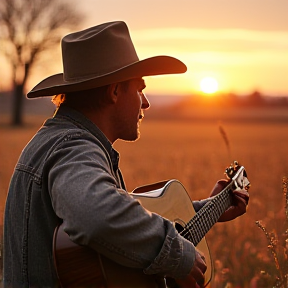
(102, 119)
(208, 215)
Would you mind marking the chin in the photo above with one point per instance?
(131, 137)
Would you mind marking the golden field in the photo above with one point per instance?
(195, 153)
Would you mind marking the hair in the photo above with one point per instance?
(58, 99)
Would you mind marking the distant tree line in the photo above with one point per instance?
(230, 99)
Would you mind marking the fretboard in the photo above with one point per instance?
(207, 216)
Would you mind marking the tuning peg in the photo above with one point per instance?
(247, 187)
(235, 165)
(229, 172)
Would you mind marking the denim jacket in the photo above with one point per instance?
(69, 172)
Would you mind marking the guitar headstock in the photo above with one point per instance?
(237, 174)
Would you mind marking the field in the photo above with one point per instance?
(195, 153)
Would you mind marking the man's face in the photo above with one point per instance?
(131, 104)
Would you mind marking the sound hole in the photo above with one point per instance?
(179, 225)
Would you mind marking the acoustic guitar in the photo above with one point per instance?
(80, 266)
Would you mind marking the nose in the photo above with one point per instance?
(145, 101)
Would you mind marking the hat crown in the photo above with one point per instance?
(97, 51)
(99, 56)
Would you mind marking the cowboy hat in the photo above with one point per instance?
(99, 56)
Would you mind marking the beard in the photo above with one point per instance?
(132, 133)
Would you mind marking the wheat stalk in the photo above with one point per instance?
(285, 189)
(285, 192)
(226, 139)
(272, 245)
(273, 241)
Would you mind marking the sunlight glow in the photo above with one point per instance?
(240, 59)
(209, 85)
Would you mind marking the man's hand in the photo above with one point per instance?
(196, 276)
(239, 205)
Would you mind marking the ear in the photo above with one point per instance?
(112, 92)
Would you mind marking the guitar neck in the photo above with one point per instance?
(207, 216)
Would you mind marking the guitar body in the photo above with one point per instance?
(173, 202)
(79, 266)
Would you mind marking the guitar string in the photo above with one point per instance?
(208, 221)
(194, 234)
(197, 234)
(221, 200)
(200, 213)
(212, 209)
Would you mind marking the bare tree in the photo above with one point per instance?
(27, 28)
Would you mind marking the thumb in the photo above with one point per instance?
(219, 186)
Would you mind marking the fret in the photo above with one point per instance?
(207, 216)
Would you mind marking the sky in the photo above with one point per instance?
(243, 44)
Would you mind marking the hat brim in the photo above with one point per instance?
(158, 65)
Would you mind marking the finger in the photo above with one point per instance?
(240, 200)
(242, 194)
(239, 203)
(203, 259)
(199, 268)
(199, 277)
(239, 208)
(223, 182)
(200, 257)
(201, 280)
(188, 283)
(219, 186)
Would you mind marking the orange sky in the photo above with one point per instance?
(243, 44)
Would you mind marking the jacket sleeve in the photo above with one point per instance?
(99, 214)
(199, 204)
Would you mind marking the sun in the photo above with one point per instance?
(209, 85)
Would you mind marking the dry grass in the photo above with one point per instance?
(196, 154)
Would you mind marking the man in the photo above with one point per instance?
(69, 171)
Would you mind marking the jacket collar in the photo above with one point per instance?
(83, 122)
